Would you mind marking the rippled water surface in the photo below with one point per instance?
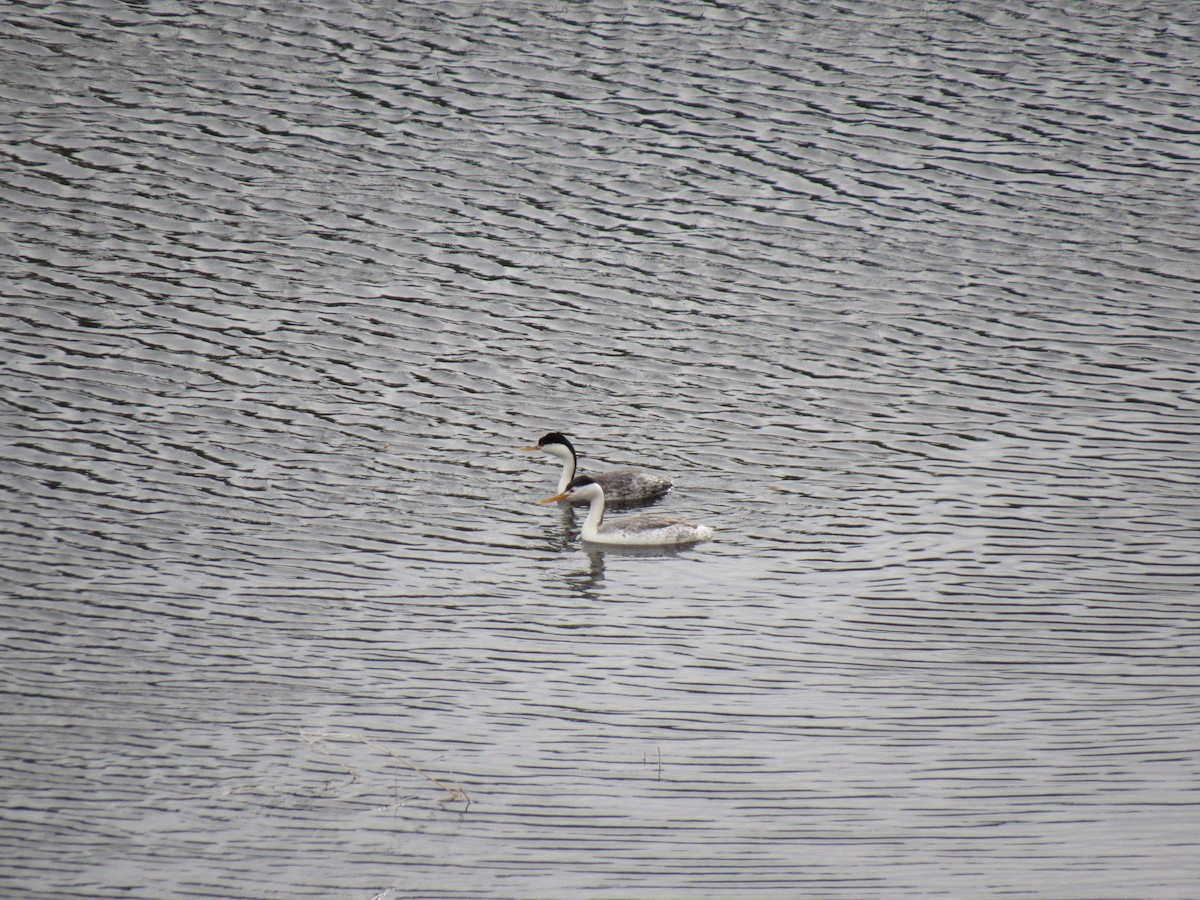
(904, 296)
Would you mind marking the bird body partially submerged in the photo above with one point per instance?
(641, 530)
(620, 485)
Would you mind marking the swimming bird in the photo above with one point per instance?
(641, 530)
(620, 485)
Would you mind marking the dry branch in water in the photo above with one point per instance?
(454, 794)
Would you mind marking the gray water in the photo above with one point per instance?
(904, 296)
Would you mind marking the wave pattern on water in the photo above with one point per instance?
(904, 298)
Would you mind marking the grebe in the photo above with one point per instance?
(642, 530)
(620, 485)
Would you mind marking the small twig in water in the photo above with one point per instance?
(454, 794)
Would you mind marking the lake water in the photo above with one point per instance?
(905, 296)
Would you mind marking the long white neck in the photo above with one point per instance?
(568, 460)
(591, 525)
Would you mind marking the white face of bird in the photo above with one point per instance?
(562, 451)
(582, 488)
(554, 444)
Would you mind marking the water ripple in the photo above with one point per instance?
(904, 300)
